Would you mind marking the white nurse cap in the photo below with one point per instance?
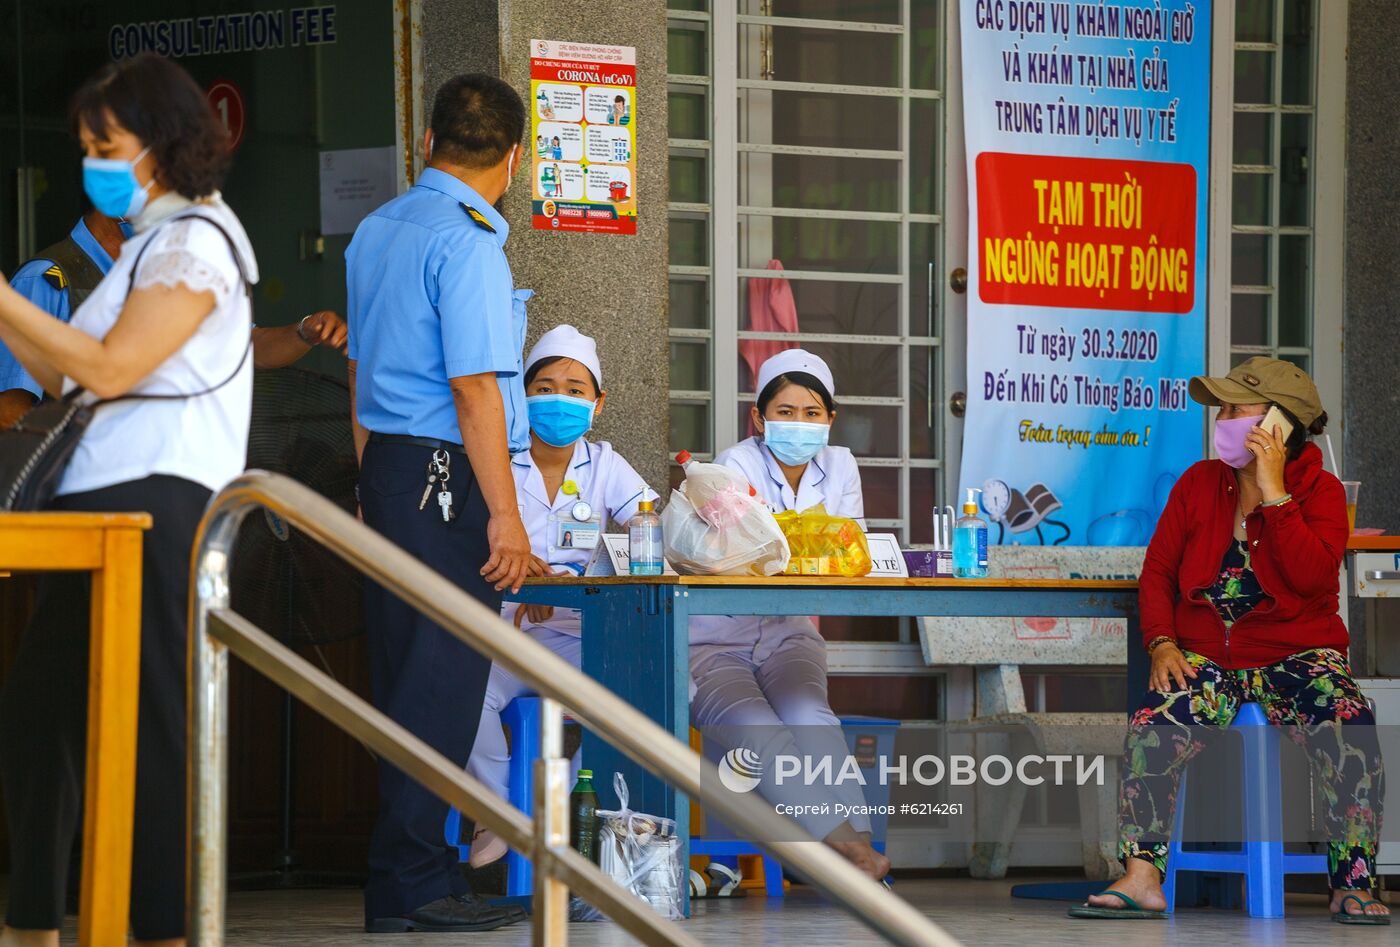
(567, 342)
(794, 360)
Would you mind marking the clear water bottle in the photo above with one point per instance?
(970, 541)
(644, 551)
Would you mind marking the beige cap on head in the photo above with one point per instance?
(1261, 380)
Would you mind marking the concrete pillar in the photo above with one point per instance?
(614, 288)
(457, 36)
(1372, 339)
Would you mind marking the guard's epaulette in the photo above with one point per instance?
(55, 277)
(479, 217)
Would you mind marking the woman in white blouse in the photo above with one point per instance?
(171, 319)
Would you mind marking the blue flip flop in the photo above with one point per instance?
(1131, 910)
(1363, 919)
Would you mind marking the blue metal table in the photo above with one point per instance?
(635, 636)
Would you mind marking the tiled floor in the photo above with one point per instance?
(976, 912)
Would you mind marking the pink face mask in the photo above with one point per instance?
(1229, 441)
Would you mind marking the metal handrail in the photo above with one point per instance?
(215, 630)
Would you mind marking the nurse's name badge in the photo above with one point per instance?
(578, 528)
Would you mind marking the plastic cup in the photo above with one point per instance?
(1352, 487)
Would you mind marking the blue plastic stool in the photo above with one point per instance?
(522, 716)
(859, 732)
(1262, 860)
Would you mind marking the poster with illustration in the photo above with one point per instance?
(1088, 141)
(583, 137)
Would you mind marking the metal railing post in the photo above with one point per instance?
(206, 798)
(551, 895)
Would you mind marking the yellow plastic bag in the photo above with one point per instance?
(823, 544)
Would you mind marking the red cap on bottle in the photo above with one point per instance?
(683, 458)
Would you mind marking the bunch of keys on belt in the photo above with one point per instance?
(439, 473)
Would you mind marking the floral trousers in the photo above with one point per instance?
(1311, 693)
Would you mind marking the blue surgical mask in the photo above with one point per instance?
(795, 442)
(112, 187)
(559, 420)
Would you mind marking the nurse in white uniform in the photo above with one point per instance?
(762, 681)
(569, 489)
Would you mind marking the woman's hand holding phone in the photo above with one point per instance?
(1267, 441)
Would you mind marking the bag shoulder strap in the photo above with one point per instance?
(247, 291)
(194, 394)
(232, 247)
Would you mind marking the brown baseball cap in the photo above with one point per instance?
(1261, 380)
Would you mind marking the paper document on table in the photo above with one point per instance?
(611, 557)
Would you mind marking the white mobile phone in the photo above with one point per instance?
(1274, 418)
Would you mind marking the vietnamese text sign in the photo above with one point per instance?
(1088, 141)
(583, 137)
(354, 182)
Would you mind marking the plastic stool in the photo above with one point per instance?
(884, 731)
(522, 716)
(1262, 860)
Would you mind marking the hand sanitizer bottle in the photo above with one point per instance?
(970, 541)
(644, 541)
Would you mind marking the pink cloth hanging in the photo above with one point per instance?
(771, 309)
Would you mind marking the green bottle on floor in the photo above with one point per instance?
(583, 816)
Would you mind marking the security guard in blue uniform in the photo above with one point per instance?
(436, 333)
(57, 280)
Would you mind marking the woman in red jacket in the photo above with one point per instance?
(1239, 601)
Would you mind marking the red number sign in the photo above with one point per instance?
(227, 102)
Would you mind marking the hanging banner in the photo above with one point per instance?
(583, 136)
(1088, 144)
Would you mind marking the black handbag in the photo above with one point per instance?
(36, 451)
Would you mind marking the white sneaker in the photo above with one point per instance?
(487, 847)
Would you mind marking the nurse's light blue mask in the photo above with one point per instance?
(795, 442)
(559, 420)
(112, 187)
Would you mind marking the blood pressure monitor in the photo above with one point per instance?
(996, 499)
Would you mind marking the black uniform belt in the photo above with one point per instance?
(415, 441)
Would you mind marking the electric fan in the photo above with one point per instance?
(285, 583)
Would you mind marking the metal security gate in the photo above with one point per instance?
(809, 134)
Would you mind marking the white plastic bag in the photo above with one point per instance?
(640, 852)
(704, 483)
(713, 525)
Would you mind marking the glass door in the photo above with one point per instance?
(293, 82)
